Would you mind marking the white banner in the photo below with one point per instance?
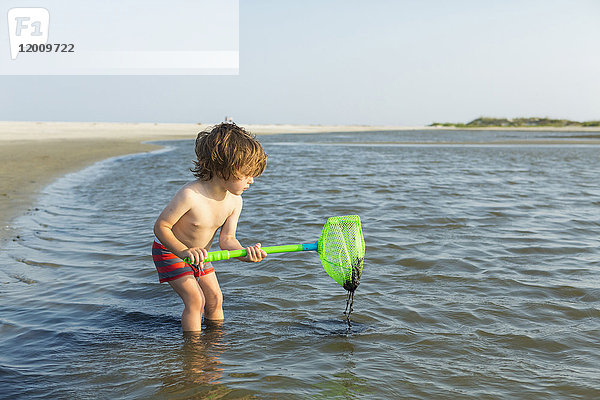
(126, 37)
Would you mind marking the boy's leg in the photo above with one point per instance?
(213, 297)
(193, 299)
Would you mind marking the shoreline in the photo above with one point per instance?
(34, 154)
(30, 166)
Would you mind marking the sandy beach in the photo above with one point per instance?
(35, 153)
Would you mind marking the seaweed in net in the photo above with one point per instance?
(351, 285)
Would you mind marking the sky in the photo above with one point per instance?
(370, 62)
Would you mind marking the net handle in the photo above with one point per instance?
(227, 254)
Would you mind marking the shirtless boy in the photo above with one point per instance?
(228, 160)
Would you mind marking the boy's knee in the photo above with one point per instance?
(196, 301)
(214, 300)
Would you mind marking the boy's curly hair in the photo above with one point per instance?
(228, 151)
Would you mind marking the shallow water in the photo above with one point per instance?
(481, 277)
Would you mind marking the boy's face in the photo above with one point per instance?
(238, 185)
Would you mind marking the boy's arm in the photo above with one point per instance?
(163, 228)
(228, 241)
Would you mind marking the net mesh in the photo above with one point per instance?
(342, 250)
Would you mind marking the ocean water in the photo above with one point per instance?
(481, 278)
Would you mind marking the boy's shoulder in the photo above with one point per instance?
(196, 190)
(190, 188)
(191, 191)
(195, 185)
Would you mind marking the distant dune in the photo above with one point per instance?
(531, 122)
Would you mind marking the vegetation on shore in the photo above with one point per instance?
(488, 122)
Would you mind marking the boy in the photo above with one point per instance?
(228, 160)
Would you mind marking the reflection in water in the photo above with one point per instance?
(201, 368)
(200, 353)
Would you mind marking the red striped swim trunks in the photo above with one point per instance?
(171, 267)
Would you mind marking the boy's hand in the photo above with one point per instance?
(255, 253)
(195, 255)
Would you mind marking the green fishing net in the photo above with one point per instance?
(342, 250)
